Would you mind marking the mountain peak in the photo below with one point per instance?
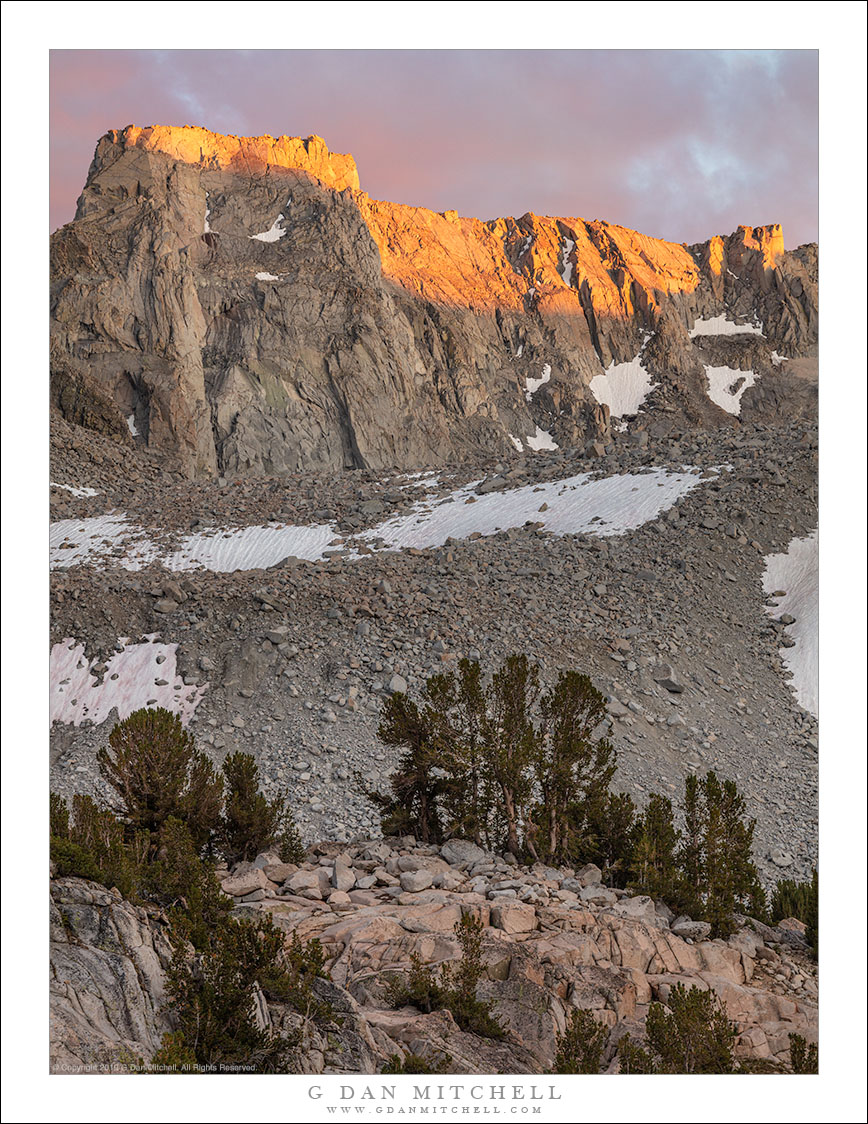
(194, 144)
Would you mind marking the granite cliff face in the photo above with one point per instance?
(248, 310)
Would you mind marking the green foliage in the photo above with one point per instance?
(715, 857)
(417, 783)
(508, 765)
(157, 772)
(580, 1048)
(415, 1063)
(251, 823)
(799, 900)
(804, 1056)
(182, 881)
(58, 817)
(692, 1036)
(610, 821)
(654, 866)
(573, 770)
(290, 979)
(214, 997)
(454, 987)
(101, 847)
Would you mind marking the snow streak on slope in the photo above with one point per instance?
(139, 675)
(603, 507)
(795, 572)
(722, 326)
(80, 492)
(726, 385)
(623, 387)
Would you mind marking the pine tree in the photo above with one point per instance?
(573, 770)
(654, 869)
(157, 772)
(251, 822)
(715, 858)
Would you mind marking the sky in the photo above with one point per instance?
(677, 144)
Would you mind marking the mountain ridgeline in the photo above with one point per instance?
(241, 307)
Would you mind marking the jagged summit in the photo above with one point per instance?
(252, 310)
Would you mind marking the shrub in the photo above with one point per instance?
(454, 987)
(415, 1063)
(804, 1056)
(157, 772)
(214, 1000)
(580, 1047)
(693, 1036)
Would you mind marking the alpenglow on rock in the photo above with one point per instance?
(244, 308)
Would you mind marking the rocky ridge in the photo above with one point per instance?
(554, 939)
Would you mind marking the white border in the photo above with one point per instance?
(837, 30)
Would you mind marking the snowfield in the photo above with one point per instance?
(795, 572)
(139, 675)
(726, 385)
(723, 326)
(606, 506)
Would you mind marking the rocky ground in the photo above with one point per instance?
(554, 939)
(298, 658)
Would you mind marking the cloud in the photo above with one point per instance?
(678, 144)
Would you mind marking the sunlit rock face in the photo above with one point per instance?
(256, 312)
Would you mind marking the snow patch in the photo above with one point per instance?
(726, 386)
(778, 359)
(531, 386)
(517, 442)
(623, 387)
(75, 491)
(520, 350)
(131, 425)
(795, 571)
(542, 440)
(274, 232)
(207, 229)
(267, 276)
(128, 683)
(722, 326)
